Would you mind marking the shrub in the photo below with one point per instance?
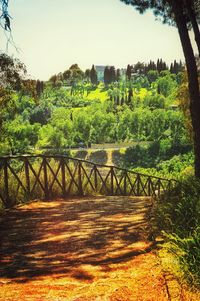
(98, 157)
(178, 214)
(81, 154)
(179, 209)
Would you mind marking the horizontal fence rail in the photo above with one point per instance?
(28, 177)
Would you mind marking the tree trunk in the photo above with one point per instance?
(192, 78)
(194, 23)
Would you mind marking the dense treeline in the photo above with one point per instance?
(73, 110)
(52, 115)
(74, 74)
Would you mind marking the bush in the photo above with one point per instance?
(187, 251)
(98, 157)
(178, 214)
(82, 154)
(179, 209)
(117, 157)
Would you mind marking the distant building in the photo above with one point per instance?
(100, 72)
(123, 73)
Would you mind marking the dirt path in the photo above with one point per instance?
(80, 249)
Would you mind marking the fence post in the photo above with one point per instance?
(138, 185)
(149, 186)
(170, 185)
(63, 177)
(27, 175)
(95, 178)
(158, 187)
(6, 183)
(46, 188)
(125, 183)
(80, 184)
(112, 180)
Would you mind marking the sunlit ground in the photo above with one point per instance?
(80, 249)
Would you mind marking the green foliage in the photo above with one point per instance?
(20, 136)
(178, 214)
(152, 76)
(40, 114)
(181, 207)
(149, 158)
(76, 114)
(12, 72)
(73, 75)
(154, 101)
(166, 84)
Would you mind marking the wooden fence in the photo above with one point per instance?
(27, 177)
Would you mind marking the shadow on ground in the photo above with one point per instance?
(59, 237)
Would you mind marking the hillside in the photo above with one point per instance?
(142, 109)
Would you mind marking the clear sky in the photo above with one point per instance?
(54, 34)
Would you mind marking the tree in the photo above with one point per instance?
(87, 74)
(192, 7)
(77, 73)
(139, 68)
(118, 75)
(12, 72)
(128, 72)
(93, 76)
(109, 75)
(130, 95)
(166, 84)
(178, 13)
(112, 74)
(39, 88)
(161, 66)
(152, 75)
(106, 76)
(150, 66)
(54, 80)
(73, 75)
(176, 67)
(67, 74)
(5, 17)
(183, 98)
(40, 114)
(12, 75)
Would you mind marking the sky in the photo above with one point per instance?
(51, 35)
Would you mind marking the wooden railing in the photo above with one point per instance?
(27, 177)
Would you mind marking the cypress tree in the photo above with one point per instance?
(158, 65)
(128, 72)
(118, 75)
(122, 100)
(112, 74)
(130, 95)
(106, 76)
(171, 68)
(38, 88)
(87, 73)
(93, 76)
